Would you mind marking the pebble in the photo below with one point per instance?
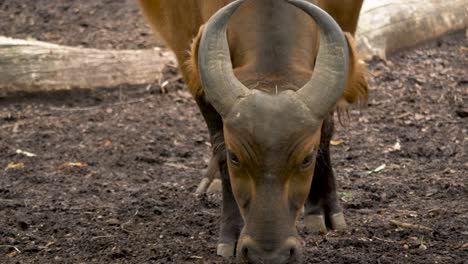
(157, 210)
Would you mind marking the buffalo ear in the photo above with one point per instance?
(356, 85)
(191, 66)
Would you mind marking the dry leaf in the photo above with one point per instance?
(12, 254)
(396, 147)
(336, 142)
(13, 165)
(346, 195)
(73, 164)
(376, 73)
(379, 168)
(26, 153)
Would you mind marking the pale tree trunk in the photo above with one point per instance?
(39, 66)
(387, 26)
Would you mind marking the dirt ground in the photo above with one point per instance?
(115, 169)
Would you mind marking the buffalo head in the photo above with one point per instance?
(271, 137)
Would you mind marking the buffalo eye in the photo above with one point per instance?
(233, 158)
(307, 161)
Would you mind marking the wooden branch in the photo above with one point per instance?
(387, 26)
(30, 66)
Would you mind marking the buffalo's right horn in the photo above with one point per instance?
(221, 87)
(326, 86)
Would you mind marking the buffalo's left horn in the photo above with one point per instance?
(221, 87)
(326, 86)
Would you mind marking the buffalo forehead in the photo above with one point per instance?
(270, 119)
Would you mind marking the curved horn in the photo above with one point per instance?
(326, 86)
(221, 87)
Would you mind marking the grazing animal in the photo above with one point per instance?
(267, 76)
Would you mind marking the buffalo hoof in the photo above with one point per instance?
(225, 250)
(338, 222)
(202, 186)
(317, 223)
(211, 183)
(215, 187)
(209, 186)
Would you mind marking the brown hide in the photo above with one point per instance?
(271, 137)
(179, 23)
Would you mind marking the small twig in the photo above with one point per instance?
(384, 240)
(11, 246)
(179, 166)
(98, 237)
(404, 115)
(410, 226)
(47, 245)
(122, 226)
(173, 79)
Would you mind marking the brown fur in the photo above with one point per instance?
(356, 86)
(345, 12)
(189, 26)
(267, 158)
(354, 92)
(191, 67)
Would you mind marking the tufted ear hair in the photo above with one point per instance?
(356, 84)
(355, 91)
(191, 66)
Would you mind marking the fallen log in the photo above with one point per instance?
(385, 26)
(31, 66)
(388, 26)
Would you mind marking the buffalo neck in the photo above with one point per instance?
(274, 45)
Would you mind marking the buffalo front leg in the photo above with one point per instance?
(231, 222)
(322, 209)
(211, 181)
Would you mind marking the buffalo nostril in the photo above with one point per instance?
(291, 249)
(245, 252)
(246, 248)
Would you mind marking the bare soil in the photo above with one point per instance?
(115, 168)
